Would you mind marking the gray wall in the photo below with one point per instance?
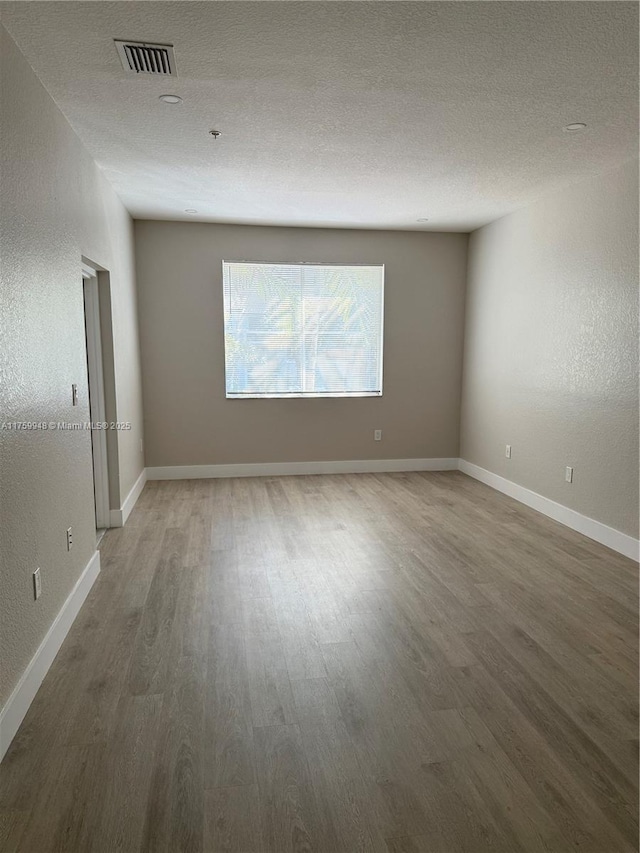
(551, 348)
(188, 421)
(55, 207)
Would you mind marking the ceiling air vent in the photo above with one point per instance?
(139, 57)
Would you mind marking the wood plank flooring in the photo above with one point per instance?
(394, 663)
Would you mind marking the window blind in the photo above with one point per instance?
(302, 330)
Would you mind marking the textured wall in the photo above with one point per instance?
(55, 207)
(188, 421)
(551, 348)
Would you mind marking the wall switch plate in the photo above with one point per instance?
(507, 451)
(377, 435)
(69, 538)
(74, 395)
(568, 474)
(37, 584)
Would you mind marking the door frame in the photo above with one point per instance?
(97, 407)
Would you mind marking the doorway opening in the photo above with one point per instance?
(97, 408)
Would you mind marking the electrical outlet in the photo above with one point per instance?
(507, 451)
(37, 584)
(69, 538)
(377, 435)
(74, 395)
(568, 474)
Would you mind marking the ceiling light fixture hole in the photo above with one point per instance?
(215, 133)
(576, 127)
(170, 99)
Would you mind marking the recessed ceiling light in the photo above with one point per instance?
(170, 99)
(190, 210)
(576, 127)
(422, 220)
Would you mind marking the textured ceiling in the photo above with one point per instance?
(344, 114)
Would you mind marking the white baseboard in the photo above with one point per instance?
(23, 695)
(609, 536)
(282, 469)
(118, 517)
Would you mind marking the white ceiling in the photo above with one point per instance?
(348, 114)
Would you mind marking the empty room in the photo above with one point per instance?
(319, 427)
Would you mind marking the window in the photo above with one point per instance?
(303, 330)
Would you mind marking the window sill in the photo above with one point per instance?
(336, 396)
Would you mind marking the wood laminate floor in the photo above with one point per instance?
(402, 663)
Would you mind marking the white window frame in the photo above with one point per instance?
(309, 395)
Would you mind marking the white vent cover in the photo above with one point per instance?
(139, 57)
